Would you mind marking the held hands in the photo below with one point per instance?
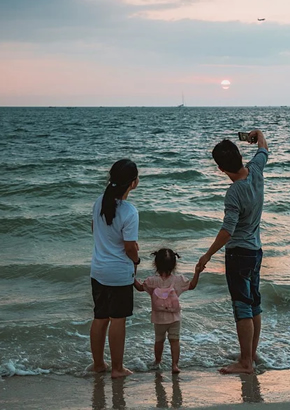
(197, 269)
(194, 280)
(138, 285)
(201, 265)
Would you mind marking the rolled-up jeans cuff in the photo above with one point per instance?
(257, 310)
(243, 310)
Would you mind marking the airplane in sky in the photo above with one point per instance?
(261, 19)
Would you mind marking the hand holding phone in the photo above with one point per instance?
(245, 136)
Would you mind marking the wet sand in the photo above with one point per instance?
(192, 389)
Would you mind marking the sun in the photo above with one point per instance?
(225, 84)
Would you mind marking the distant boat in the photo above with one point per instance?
(181, 105)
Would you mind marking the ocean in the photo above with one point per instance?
(54, 163)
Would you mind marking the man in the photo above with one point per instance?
(240, 233)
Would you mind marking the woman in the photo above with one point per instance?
(115, 257)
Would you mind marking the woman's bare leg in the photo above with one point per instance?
(117, 332)
(98, 337)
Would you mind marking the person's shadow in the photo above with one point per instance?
(99, 395)
(251, 391)
(161, 396)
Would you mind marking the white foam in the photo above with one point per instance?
(138, 365)
(10, 369)
(81, 322)
(76, 333)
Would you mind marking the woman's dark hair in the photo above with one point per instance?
(165, 260)
(121, 175)
(227, 155)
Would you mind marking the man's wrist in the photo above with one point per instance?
(208, 255)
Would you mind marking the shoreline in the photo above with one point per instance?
(191, 389)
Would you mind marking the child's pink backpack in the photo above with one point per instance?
(165, 300)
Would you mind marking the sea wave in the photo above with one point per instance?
(278, 206)
(68, 188)
(62, 226)
(278, 165)
(274, 295)
(187, 175)
(175, 222)
(46, 272)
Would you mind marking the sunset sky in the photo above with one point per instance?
(144, 52)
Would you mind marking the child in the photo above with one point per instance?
(165, 289)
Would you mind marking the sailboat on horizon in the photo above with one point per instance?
(182, 104)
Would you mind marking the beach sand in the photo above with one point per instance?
(192, 389)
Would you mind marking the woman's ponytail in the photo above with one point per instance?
(122, 173)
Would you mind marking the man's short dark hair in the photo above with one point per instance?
(227, 155)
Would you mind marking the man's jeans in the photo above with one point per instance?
(243, 277)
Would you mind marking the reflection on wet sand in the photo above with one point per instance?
(190, 389)
(102, 394)
(251, 391)
(118, 393)
(99, 395)
(161, 396)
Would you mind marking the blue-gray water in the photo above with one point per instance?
(54, 163)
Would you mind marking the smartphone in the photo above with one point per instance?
(244, 136)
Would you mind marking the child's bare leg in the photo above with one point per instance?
(158, 350)
(175, 351)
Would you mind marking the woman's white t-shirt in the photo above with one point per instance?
(110, 264)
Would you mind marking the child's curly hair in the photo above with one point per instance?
(165, 260)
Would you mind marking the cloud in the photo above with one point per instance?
(104, 30)
(213, 10)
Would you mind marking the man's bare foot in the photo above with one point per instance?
(236, 368)
(175, 369)
(121, 373)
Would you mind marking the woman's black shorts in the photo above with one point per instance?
(112, 301)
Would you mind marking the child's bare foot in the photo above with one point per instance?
(175, 369)
(121, 373)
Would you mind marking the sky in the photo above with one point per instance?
(144, 52)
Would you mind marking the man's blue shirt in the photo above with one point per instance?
(244, 203)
